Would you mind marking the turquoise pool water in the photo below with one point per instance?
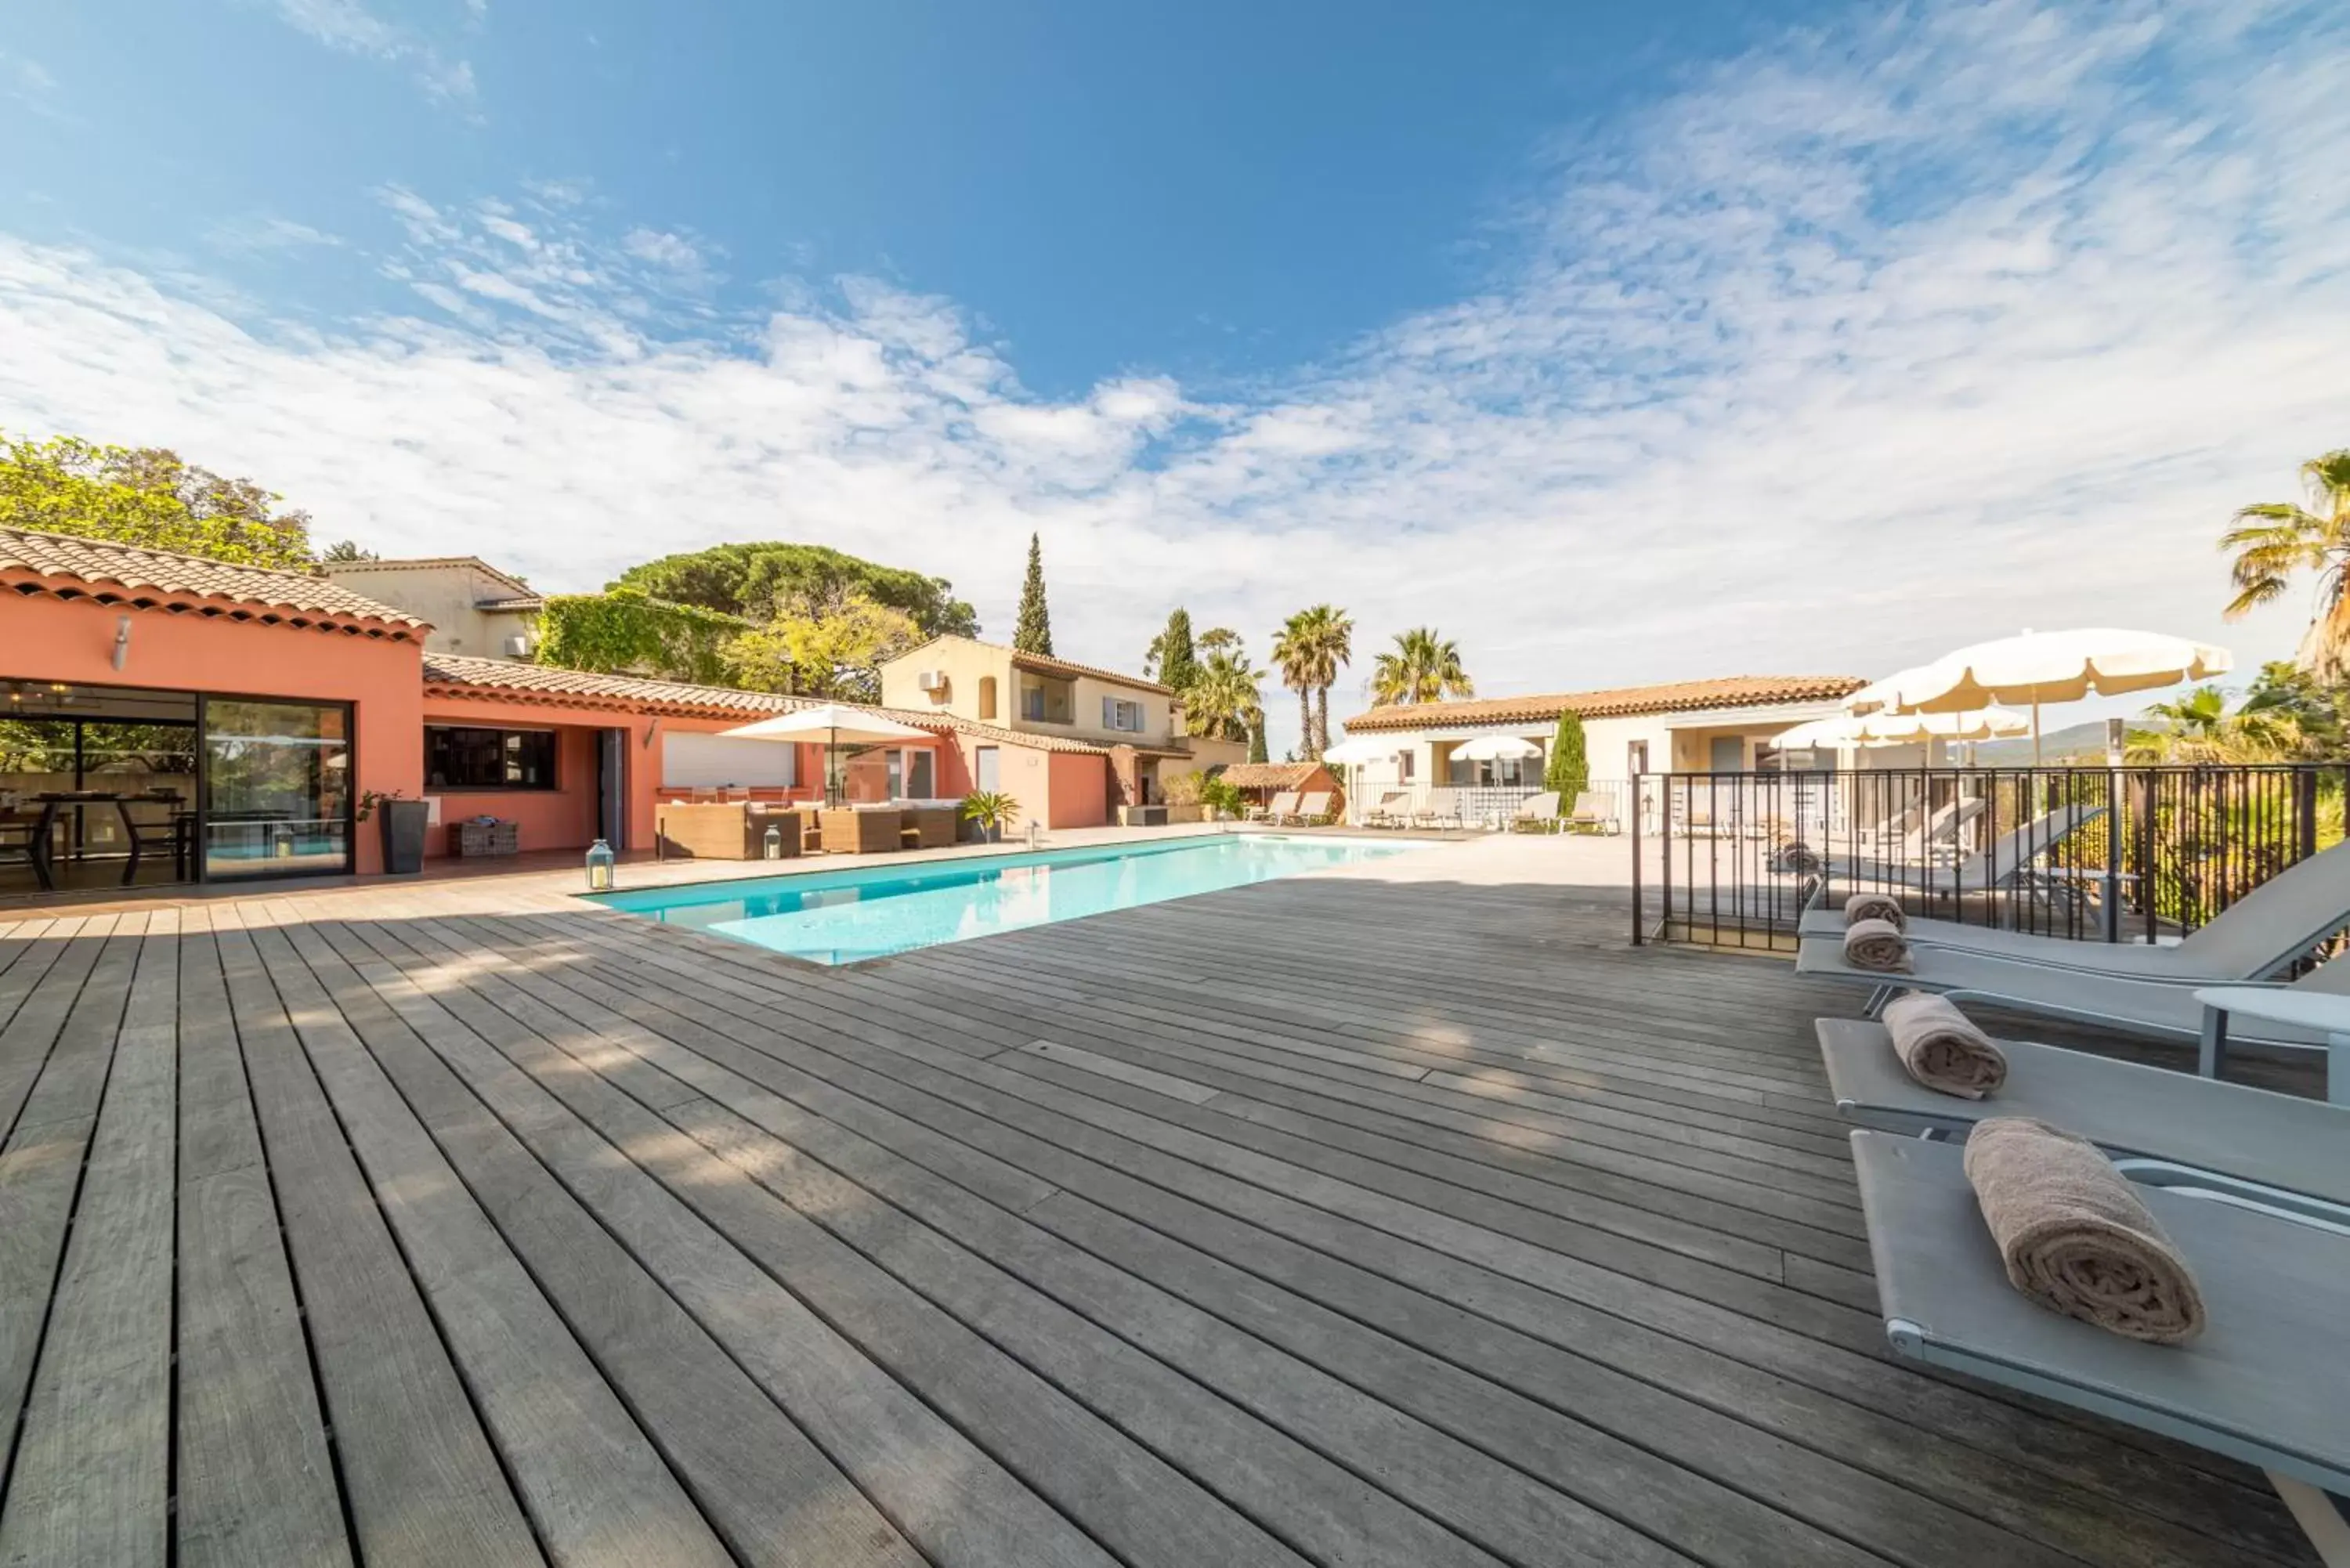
(846, 917)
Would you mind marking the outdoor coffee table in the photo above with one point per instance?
(2315, 1011)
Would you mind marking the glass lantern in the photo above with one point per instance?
(600, 859)
(774, 842)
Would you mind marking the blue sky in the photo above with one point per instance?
(1621, 343)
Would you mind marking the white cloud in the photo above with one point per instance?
(663, 249)
(1851, 351)
(350, 28)
(265, 231)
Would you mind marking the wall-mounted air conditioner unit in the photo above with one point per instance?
(518, 645)
(932, 680)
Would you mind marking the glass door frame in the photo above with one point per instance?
(205, 784)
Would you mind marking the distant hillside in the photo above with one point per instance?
(2074, 743)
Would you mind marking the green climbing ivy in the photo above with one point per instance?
(625, 631)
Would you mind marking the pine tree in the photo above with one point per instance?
(1034, 633)
(1257, 753)
(1569, 768)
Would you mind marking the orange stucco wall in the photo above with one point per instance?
(1080, 789)
(52, 639)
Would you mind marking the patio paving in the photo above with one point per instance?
(1398, 1215)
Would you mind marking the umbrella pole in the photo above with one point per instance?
(2035, 727)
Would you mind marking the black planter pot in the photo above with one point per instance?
(403, 823)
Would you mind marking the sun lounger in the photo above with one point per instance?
(2164, 1128)
(2159, 1010)
(2009, 858)
(1312, 807)
(2258, 934)
(1594, 809)
(1442, 810)
(2261, 1384)
(1537, 813)
(1281, 806)
(1387, 813)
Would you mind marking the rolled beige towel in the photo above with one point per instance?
(1876, 907)
(1941, 1047)
(2074, 1235)
(1876, 945)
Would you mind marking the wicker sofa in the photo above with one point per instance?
(861, 830)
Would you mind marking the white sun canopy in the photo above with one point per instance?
(1497, 749)
(832, 723)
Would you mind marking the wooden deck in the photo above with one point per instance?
(1402, 1217)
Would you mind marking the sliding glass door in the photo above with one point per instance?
(277, 796)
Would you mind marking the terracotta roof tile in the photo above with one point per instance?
(552, 684)
(475, 562)
(103, 564)
(1679, 696)
(1270, 775)
(520, 602)
(1039, 663)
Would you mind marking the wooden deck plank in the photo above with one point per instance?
(1993, 1425)
(92, 1482)
(255, 1482)
(41, 1161)
(774, 1497)
(1397, 1216)
(1302, 1499)
(596, 1489)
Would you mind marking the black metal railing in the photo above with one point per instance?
(2127, 854)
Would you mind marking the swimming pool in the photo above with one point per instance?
(847, 917)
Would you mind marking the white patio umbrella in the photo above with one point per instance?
(838, 724)
(1352, 753)
(1905, 729)
(1497, 749)
(2041, 667)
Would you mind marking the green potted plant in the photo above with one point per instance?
(991, 812)
(1223, 801)
(402, 821)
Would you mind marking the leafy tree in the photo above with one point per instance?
(346, 550)
(1170, 654)
(1034, 634)
(831, 648)
(1312, 646)
(2319, 709)
(1219, 639)
(2275, 539)
(2198, 728)
(148, 497)
(1422, 668)
(759, 580)
(1225, 699)
(1568, 770)
(625, 631)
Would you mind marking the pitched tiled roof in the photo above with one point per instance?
(475, 562)
(1270, 775)
(457, 674)
(521, 602)
(68, 567)
(1047, 666)
(549, 683)
(1675, 697)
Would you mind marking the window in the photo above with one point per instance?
(277, 796)
(1635, 758)
(987, 772)
(1404, 764)
(468, 758)
(1120, 714)
(1032, 702)
(987, 696)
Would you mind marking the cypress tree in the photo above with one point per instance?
(1569, 768)
(1179, 666)
(1256, 743)
(1035, 632)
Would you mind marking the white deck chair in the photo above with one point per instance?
(1540, 810)
(1313, 806)
(2008, 858)
(1274, 810)
(1442, 810)
(1595, 808)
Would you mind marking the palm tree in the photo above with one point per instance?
(1312, 645)
(2278, 539)
(1225, 699)
(1423, 668)
(2197, 728)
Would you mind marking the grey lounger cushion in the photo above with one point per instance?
(2132, 959)
(2265, 1383)
(2269, 1139)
